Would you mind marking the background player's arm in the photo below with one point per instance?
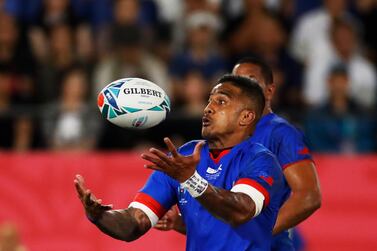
(305, 197)
(126, 224)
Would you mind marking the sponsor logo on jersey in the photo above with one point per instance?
(210, 170)
(212, 174)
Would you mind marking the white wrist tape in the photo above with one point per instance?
(195, 185)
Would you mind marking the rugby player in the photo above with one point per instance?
(228, 188)
(302, 196)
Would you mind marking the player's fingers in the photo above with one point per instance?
(93, 197)
(197, 150)
(154, 167)
(79, 189)
(157, 161)
(162, 221)
(88, 198)
(149, 158)
(160, 226)
(161, 155)
(80, 179)
(171, 147)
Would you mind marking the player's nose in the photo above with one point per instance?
(208, 109)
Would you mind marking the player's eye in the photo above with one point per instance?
(221, 101)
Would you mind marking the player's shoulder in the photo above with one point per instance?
(258, 156)
(283, 128)
(254, 150)
(277, 120)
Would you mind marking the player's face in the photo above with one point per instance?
(223, 112)
(254, 72)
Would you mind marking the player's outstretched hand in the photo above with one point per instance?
(93, 206)
(177, 166)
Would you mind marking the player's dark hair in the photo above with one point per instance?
(250, 88)
(264, 67)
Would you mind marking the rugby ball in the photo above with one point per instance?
(133, 103)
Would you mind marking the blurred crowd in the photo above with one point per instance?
(10, 238)
(56, 55)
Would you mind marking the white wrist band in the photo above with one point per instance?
(195, 185)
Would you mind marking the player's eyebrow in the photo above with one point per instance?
(229, 95)
(222, 92)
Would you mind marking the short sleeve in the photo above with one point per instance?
(257, 178)
(292, 147)
(156, 197)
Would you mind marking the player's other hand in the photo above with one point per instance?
(170, 221)
(93, 206)
(177, 166)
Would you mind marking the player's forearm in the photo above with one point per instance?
(297, 208)
(126, 225)
(233, 208)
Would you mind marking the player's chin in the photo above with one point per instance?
(207, 133)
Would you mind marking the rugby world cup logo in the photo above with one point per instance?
(139, 121)
(181, 195)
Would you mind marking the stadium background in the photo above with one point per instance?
(55, 55)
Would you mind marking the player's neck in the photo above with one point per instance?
(229, 140)
(267, 109)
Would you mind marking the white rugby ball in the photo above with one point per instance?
(133, 103)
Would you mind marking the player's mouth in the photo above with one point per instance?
(205, 121)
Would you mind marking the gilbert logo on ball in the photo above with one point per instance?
(133, 103)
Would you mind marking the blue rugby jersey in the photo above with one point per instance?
(288, 144)
(246, 164)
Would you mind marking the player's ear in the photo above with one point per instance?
(247, 117)
(270, 91)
